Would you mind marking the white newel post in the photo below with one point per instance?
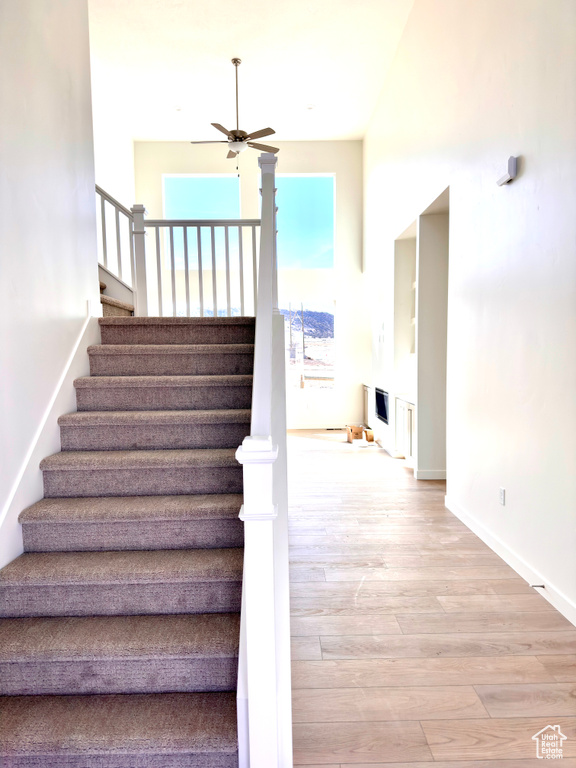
(257, 455)
(259, 680)
(139, 233)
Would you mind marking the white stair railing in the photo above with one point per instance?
(264, 692)
(115, 242)
(180, 267)
(202, 267)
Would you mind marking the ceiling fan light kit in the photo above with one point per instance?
(238, 140)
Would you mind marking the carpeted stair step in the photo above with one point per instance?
(163, 393)
(129, 430)
(170, 359)
(119, 654)
(122, 583)
(177, 330)
(114, 307)
(102, 286)
(141, 473)
(170, 730)
(133, 522)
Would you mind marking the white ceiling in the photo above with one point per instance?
(311, 69)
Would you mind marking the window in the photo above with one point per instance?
(209, 196)
(203, 197)
(306, 276)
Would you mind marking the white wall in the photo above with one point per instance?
(47, 232)
(431, 340)
(472, 84)
(306, 408)
(113, 156)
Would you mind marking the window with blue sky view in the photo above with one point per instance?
(202, 197)
(306, 276)
(305, 257)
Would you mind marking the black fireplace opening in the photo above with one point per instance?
(382, 405)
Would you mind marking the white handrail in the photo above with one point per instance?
(264, 695)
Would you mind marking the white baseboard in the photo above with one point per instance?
(430, 474)
(27, 487)
(565, 605)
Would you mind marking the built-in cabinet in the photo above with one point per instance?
(405, 420)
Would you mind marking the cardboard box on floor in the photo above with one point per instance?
(359, 432)
(354, 432)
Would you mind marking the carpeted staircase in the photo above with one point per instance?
(119, 636)
(114, 307)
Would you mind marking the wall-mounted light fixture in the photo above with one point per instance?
(512, 172)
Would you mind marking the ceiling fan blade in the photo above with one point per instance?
(208, 142)
(261, 134)
(221, 128)
(263, 147)
(231, 154)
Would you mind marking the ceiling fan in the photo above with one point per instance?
(238, 140)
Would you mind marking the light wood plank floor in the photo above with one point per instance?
(414, 645)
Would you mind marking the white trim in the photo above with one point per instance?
(115, 277)
(265, 512)
(430, 474)
(556, 597)
(27, 486)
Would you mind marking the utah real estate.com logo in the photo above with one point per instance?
(549, 743)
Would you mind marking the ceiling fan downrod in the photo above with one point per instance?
(237, 63)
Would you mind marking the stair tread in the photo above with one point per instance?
(140, 459)
(120, 637)
(240, 320)
(171, 349)
(203, 380)
(131, 418)
(134, 508)
(124, 567)
(139, 724)
(116, 302)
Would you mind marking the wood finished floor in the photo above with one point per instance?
(414, 645)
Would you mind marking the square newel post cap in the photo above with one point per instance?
(267, 162)
(256, 449)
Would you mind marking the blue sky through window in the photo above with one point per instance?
(202, 197)
(305, 222)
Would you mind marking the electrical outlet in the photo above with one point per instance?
(502, 496)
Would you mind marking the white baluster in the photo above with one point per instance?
(159, 273)
(214, 287)
(173, 271)
(200, 271)
(186, 270)
(227, 254)
(241, 267)
(118, 244)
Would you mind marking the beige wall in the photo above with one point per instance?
(472, 84)
(306, 408)
(47, 238)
